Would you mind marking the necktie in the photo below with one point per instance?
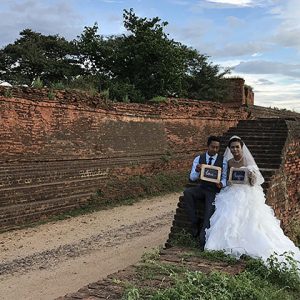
(210, 160)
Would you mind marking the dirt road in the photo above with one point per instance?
(54, 259)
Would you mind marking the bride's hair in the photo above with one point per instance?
(235, 139)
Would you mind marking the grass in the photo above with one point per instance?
(184, 239)
(257, 282)
(276, 279)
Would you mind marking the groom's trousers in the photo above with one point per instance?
(191, 196)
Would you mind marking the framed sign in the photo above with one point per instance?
(210, 173)
(239, 175)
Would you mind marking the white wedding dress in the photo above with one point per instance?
(244, 224)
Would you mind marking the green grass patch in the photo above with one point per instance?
(217, 256)
(183, 239)
(217, 285)
(274, 280)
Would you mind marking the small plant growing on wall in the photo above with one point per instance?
(8, 93)
(51, 95)
(38, 83)
(58, 86)
(158, 99)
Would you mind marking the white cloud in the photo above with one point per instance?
(268, 67)
(192, 33)
(239, 3)
(112, 1)
(57, 17)
(179, 2)
(240, 49)
(288, 31)
(235, 22)
(274, 90)
(233, 2)
(270, 90)
(263, 81)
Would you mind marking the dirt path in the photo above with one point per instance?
(51, 260)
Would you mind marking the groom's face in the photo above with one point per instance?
(213, 148)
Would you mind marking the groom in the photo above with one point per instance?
(205, 191)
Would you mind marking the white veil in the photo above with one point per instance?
(248, 160)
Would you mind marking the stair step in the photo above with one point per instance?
(246, 131)
(257, 139)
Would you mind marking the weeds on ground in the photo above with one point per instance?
(277, 279)
(217, 256)
(151, 255)
(184, 239)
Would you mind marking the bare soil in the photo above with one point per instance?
(57, 258)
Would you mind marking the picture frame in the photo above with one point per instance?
(210, 173)
(239, 175)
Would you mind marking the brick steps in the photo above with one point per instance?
(265, 139)
(256, 132)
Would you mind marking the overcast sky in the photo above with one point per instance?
(260, 39)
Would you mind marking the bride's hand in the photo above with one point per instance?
(252, 178)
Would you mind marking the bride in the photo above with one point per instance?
(242, 222)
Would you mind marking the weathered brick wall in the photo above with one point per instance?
(266, 112)
(249, 95)
(56, 153)
(236, 93)
(54, 156)
(284, 192)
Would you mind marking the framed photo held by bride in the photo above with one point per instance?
(210, 173)
(239, 175)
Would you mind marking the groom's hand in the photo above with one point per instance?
(198, 168)
(219, 185)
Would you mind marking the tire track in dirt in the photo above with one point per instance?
(53, 259)
(109, 238)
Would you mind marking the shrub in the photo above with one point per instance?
(158, 99)
(38, 83)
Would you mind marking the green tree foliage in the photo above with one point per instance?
(204, 80)
(148, 59)
(136, 66)
(33, 55)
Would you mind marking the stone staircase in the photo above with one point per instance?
(265, 138)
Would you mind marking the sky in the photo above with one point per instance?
(258, 39)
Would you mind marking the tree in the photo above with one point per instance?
(33, 55)
(155, 65)
(148, 59)
(204, 80)
(136, 66)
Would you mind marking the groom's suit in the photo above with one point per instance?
(205, 191)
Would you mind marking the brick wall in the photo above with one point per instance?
(266, 112)
(236, 92)
(54, 156)
(284, 192)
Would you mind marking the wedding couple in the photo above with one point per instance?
(236, 218)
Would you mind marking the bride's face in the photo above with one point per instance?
(236, 149)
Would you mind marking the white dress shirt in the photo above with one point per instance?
(194, 175)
